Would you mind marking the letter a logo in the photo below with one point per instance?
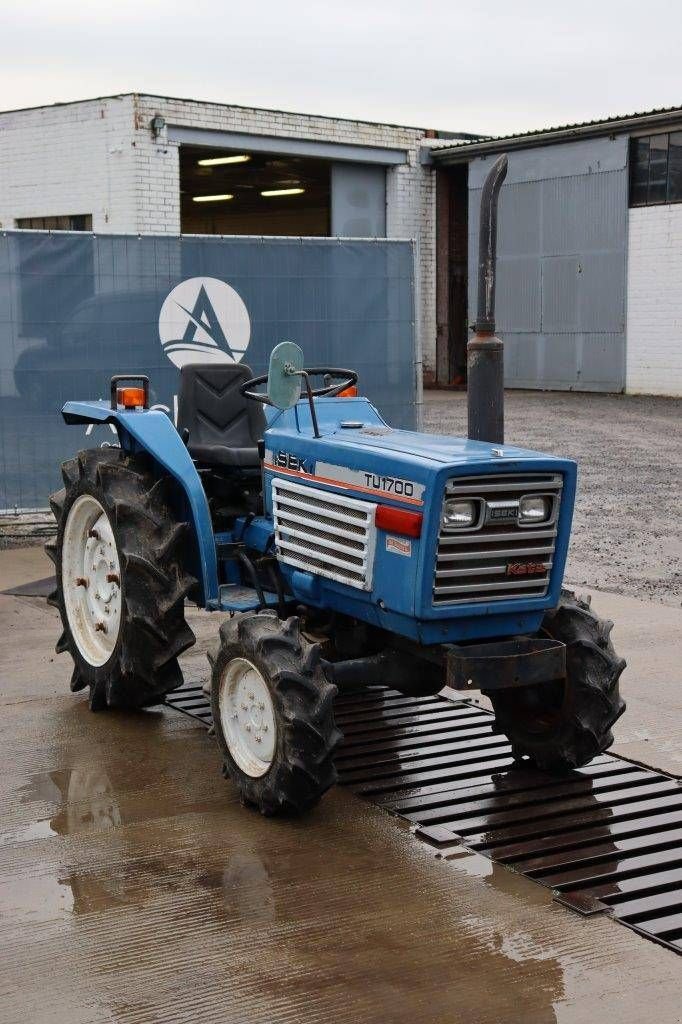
(204, 320)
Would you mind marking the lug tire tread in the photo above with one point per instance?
(593, 673)
(303, 768)
(144, 666)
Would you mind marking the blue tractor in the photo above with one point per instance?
(347, 553)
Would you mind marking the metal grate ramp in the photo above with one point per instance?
(607, 837)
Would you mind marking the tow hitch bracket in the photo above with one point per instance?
(493, 666)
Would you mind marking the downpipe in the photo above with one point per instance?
(485, 351)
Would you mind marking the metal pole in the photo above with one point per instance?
(485, 352)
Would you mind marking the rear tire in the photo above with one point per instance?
(273, 713)
(123, 623)
(562, 725)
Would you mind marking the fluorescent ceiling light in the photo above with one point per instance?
(211, 199)
(214, 161)
(283, 192)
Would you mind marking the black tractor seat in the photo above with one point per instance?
(224, 427)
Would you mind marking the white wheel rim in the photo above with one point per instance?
(247, 717)
(91, 580)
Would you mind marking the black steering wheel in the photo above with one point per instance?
(349, 379)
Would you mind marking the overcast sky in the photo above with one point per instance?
(491, 67)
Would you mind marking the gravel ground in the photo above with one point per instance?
(627, 529)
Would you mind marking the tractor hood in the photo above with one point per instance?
(435, 448)
(355, 426)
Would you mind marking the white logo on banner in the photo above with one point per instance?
(204, 320)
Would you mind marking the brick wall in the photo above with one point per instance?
(69, 159)
(654, 317)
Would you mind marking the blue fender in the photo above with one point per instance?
(152, 431)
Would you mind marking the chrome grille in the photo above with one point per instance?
(324, 533)
(473, 566)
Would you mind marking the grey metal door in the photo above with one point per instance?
(358, 201)
(562, 249)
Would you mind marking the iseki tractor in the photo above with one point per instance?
(348, 554)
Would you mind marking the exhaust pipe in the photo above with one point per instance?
(485, 352)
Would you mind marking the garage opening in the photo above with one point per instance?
(229, 192)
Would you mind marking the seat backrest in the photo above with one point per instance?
(211, 408)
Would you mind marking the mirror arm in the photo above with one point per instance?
(311, 400)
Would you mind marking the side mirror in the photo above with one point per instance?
(284, 379)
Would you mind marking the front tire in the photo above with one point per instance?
(564, 724)
(273, 714)
(121, 583)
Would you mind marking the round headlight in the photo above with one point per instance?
(534, 508)
(458, 514)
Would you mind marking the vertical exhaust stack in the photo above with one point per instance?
(485, 352)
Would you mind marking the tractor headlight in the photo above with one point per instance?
(459, 514)
(534, 508)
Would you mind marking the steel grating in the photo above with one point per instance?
(607, 837)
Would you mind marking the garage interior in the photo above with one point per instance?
(228, 192)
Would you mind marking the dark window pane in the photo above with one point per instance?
(81, 222)
(658, 169)
(675, 168)
(66, 222)
(639, 171)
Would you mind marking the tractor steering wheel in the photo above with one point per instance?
(349, 379)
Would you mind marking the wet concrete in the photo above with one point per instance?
(134, 888)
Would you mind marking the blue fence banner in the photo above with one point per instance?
(76, 308)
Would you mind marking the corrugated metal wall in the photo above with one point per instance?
(562, 245)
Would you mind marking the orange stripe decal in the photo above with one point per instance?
(340, 483)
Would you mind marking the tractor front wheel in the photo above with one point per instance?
(121, 583)
(272, 713)
(563, 724)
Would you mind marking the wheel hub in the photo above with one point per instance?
(91, 580)
(247, 717)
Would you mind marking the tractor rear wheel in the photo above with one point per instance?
(563, 724)
(121, 583)
(273, 714)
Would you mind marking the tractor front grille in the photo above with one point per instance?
(324, 533)
(489, 563)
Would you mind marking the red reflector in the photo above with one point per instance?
(351, 392)
(396, 520)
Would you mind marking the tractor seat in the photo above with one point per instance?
(224, 427)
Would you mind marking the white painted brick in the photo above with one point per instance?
(654, 318)
(68, 159)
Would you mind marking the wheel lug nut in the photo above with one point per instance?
(100, 627)
(248, 728)
(258, 739)
(265, 728)
(94, 534)
(113, 577)
(81, 581)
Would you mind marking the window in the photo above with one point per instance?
(656, 169)
(68, 222)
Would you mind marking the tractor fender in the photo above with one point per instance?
(151, 431)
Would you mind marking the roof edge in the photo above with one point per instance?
(465, 151)
(437, 133)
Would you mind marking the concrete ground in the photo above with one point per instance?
(134, 888)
